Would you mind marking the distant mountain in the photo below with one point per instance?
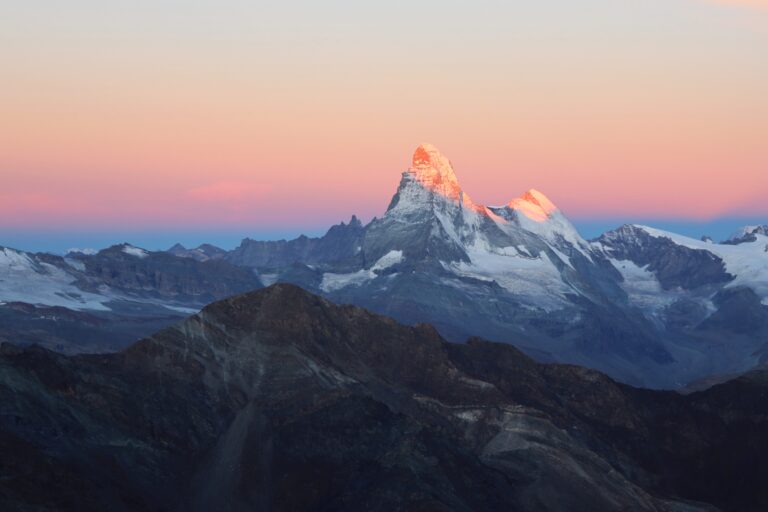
(280, 400)
(202, 252)
(648, 307)
(103, 301)
(521, 273)
(340, 246)
(747, 234)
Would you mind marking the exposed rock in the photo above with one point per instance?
(164, 275)
(746, 234)
(674, 265)
(280, 400)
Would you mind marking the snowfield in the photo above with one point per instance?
(135, 251)
(332, 282)
(24, 280)
(747, 261)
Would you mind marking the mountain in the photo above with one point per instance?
(340, 246)
(186, 281)
(747, 234)
(521, 273)
(202, 252)
(682, 281)
(281, 400)
(648, 307)
(715, 296)
(103, 301)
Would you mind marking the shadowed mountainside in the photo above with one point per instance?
(280, 400)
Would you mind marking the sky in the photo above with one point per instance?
(162, 121)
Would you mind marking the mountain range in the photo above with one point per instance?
(104, 301)
(647, 307)
(281, 400)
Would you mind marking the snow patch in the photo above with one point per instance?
(12, 259)
(332, 282)
(470, 415)
(87, 251)
(181, 309)
(268, 279)
(389, 259)
(24, 280)
(535, 280)
(75, 264)
(642, 286)
(748, 261)
(135, 251)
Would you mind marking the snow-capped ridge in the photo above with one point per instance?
(747, 234)
(534, 205)
(430, 192)
(745, 261)
(87, 251)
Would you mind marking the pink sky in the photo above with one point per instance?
(163, 115)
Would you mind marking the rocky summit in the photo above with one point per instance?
(280, 400)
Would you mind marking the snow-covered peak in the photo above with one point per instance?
(746, 260)
(535, 213)
(434, 172)
(430, 190)
(747, 233)
(13, 259)
(430, 183)
(534, 205)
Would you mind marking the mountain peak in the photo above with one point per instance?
(427, 154)
(434, 171)
(534, 205)
(355, 222)
(747, 234)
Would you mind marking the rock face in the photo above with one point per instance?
(280, 400)
(747, 234)
(163, 275)
(434, 172)
(340, 246)
(674, 265)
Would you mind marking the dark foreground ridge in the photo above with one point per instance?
(281, 400)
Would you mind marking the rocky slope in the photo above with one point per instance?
(158, 274)
(340, 246)
(280, 400)
(747, 234)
